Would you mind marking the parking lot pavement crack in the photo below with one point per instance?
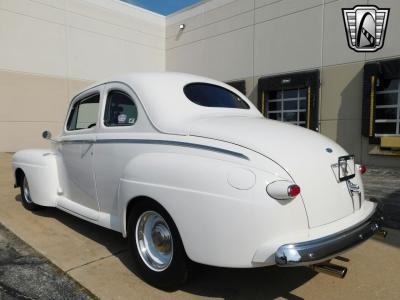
(96, 260)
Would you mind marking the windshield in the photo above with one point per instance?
(210, 95)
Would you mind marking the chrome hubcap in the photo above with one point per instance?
(27, 193)
(154, 241)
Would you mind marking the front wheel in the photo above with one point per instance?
(154, 241)
(26, 196)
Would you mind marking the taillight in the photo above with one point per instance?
(283, 190)
(293, 190)
(362, 169)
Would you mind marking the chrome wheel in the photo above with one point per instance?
(154, 241)
(27, 193)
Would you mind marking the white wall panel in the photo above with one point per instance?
(226, 58)
(228, 10)
(115, 31)
(336, 49)
(137, 58)
(185, 14)
(289, 43)
(93, 56)
(282, 8)
(259, 3)
(53, 3)
(392, 40)
(189, 58)
(119, 13)
(212, 30)
(34, 9)
(212, 12)
(82, 39)
(185, 37)
(191, 23)
(32, 45)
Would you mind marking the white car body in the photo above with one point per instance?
(209, 168)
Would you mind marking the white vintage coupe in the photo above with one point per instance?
(188, 170)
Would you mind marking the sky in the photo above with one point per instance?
(163, 7)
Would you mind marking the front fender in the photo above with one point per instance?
(220, 224)
(40, 168)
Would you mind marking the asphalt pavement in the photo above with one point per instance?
(25, 274)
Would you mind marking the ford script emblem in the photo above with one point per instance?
(329, 150)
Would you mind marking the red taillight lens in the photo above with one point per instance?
(362, 169)
(293, 190)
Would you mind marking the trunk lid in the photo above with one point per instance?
(307, 156)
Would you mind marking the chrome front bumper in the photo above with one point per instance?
(323, 249)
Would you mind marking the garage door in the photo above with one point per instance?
(291, 98)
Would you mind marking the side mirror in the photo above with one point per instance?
(46, 135)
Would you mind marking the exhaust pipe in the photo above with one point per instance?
(330, 269)
(381, 233)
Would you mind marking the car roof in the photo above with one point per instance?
(163, 99)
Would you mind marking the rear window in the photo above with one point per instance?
(210, 95)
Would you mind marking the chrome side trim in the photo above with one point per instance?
(159, 142)
(319, 250)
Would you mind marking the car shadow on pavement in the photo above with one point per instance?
(258, 283)
(390, 207)
(231, 283)
(110, 239)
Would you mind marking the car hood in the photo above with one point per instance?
(306, 155)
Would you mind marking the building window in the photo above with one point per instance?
(288, 106)
(291, 98)
(381, 100)
(240, 85)
(387, 109)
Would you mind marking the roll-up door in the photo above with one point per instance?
(290, 98)
(381, 103)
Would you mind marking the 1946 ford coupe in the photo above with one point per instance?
(188, 170)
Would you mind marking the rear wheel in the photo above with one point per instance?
(154, 241)
(26, 196)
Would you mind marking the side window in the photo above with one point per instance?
(211, 95)
(120, 110)
(84, 113)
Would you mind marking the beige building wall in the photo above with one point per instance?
(248, 39)
(51, 49)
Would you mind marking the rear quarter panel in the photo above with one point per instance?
(219, 224)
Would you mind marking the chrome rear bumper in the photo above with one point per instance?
(323, 249)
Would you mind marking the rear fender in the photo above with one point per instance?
(209, 212)
(177, 174)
